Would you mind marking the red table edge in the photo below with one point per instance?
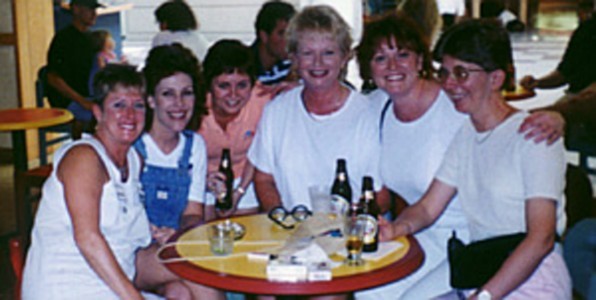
(344, 284)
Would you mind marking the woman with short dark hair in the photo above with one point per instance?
(177, 24)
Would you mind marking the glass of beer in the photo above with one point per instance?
(354, 233)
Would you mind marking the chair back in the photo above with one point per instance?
(17, 260)
(41, 86)
(64, 130)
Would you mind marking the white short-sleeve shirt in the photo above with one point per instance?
(300, 150)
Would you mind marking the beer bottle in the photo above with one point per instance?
(224, 201)
(371, 210)
(341, 191)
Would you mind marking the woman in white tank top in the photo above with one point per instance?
(90, 221)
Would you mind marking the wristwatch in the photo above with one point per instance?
(484, 295)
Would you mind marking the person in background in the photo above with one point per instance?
(234, 109)
(304, 131)
(270, 54)
(91, 222)
(70, 59)
(417, 123)
(173, 176)
(505, 184)
(103, 45)
(451, 11)
(177, 24)
(577, 68)
(426, 15)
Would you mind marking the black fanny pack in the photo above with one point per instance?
(471, 266)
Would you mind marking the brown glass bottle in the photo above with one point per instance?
(371, 210)
(341, 191)
(224, 202)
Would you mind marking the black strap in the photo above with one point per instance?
(382, 120)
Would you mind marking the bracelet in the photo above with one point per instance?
(240, 190)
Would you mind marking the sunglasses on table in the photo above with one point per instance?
(460, 73)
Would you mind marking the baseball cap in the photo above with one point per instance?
(87, 3)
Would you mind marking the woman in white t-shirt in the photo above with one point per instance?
(304, 131)
(505, 184)
(418, 122)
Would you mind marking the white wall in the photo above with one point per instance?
(218, 19)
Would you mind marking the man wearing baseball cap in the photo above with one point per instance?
(70, 59)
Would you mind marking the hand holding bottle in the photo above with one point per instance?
(216, 183)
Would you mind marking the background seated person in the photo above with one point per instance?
(70, 59)
(177, 24)
(577, 68)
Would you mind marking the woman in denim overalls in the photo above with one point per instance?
(173, 177)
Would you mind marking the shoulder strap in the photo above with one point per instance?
(184, 161)
(140, 146)
(382, 120)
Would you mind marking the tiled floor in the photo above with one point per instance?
(533, 53)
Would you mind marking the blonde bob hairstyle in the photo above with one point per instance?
(321, 19)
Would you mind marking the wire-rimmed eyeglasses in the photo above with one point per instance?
(460, 73)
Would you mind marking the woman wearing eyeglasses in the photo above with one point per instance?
(418, 122)
(505, 184)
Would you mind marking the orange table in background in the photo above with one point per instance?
(17, 121)
(237, 273)
(520, 93)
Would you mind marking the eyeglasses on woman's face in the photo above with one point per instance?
(460, 73)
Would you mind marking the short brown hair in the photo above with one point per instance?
(407, 35)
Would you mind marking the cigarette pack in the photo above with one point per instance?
(289, 271)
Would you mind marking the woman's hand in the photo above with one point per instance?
(541, 126)
(389, 231)
(238, 193)
(216, 183)
(161, 234)
(528, 82)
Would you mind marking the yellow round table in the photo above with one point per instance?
(195, 262)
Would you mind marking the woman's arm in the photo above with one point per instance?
(266, 190)
(67, 91)
(83, 193)
(247, 177)
(420, 215)
(192, 215)
(541, 224)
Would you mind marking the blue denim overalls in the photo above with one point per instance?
(165, 190)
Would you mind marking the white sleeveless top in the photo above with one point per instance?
(55, 268)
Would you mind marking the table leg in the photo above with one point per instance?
(22, 207)
(19, 151)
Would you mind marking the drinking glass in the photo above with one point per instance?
(221, 239)
(354, 233)
(320, 199)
